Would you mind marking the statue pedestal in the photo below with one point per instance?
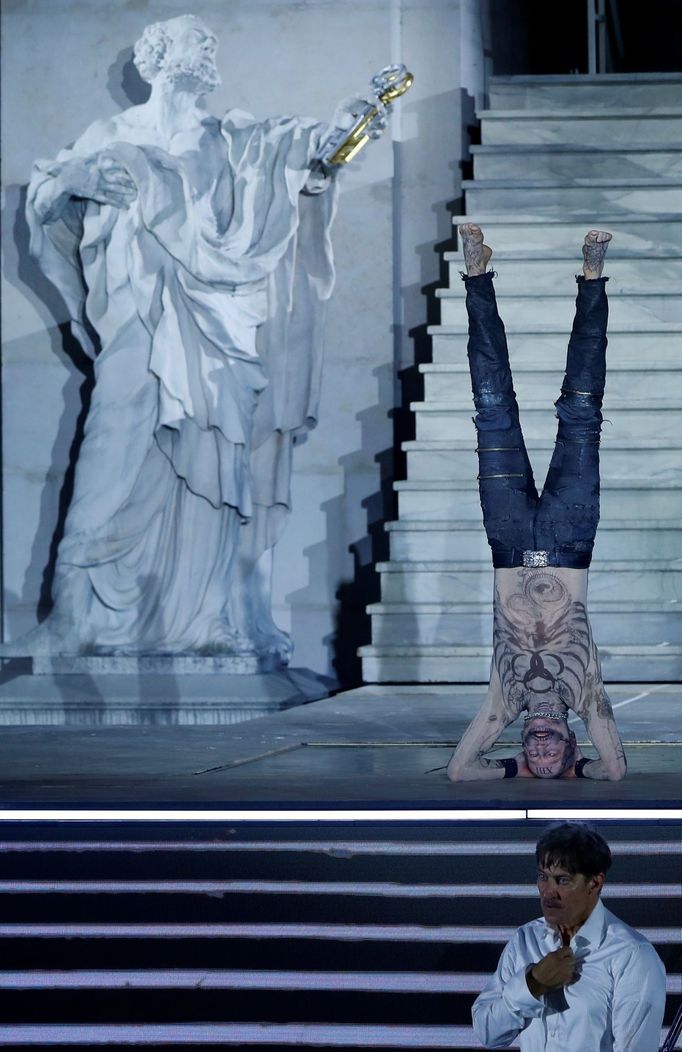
(153, 664)
(196, 691)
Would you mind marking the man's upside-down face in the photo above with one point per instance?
(548, 745)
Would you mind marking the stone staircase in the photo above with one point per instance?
(355, 936)
(558, 156)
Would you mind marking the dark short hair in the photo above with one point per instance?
(575, 847)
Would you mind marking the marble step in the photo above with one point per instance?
(659, 342)
(457, 664)
(524, 232)
(542, 274)
(652, 580)
(471, 623)
(637, 540)
(644, 308)
(450, 382)
(581, 91)
(620, 498)
(577, 197)
(456, 459)
(558, 161)
(659, 124)
(661, 418)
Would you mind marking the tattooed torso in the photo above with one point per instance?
(543, 649)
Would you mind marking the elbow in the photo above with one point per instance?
(455, 772)
(483, 1035)
(618, 768)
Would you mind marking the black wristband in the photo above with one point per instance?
(511, 767)
(579, 766)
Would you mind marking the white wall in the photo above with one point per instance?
(62, 68)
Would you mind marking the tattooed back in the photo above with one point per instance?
(544, 653)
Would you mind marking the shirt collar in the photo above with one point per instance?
(590, 933)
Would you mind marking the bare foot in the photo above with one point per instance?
(476, 254)
(594, 250)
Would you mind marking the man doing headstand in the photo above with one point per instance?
(545, 661)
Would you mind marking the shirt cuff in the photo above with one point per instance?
(518, 997)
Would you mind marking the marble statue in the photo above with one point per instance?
(198, 251)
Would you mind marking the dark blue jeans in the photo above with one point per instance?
(563, 521)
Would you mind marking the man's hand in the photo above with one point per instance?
(99, 178)
(554, 971)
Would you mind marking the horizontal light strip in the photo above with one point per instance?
(257, 815)
(321, 887)
(337, 932)
(380, 982)
(386, 982)
(352, 815)
(330, 847)
(610, 814)
(330, 1034)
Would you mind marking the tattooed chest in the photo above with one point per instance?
(542, 643)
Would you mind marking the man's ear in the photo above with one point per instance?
(597, 882)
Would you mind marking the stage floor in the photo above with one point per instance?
(374, 746)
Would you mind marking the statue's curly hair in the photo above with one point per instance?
(150, 48)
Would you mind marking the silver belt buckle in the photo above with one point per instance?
(535, 558)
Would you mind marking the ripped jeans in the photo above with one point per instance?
(557, 528)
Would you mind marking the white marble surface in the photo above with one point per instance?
(618, 460)
(628, 498)
(583, 91)
(449, 582)
(626, 276)
(601, 161)
(152, 698)
(640, 310)
(633, 233)
(659, 343)
(614, 541)
(443, 623)
(654, 125)
(437, 420)
(449, 382)
(648, 199)
(434, 665)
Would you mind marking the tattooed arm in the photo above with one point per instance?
(596, 712)
(469, 762)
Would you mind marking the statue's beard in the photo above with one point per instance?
(192, 75)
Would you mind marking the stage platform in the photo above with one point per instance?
(377, 746)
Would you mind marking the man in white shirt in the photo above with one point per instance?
(578, 979)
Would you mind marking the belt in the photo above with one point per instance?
(508, 558)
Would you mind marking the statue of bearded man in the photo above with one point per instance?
(198, 251)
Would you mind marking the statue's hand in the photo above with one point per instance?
(349, 110)
(99, 178)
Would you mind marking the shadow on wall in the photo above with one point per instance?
(124, 83)
(26, 276)
(417, 307)
(126, 87)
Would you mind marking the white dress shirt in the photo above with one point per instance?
(615, 1006)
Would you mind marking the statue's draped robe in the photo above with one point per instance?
(206, 294)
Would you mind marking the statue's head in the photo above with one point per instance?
(182, 51)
